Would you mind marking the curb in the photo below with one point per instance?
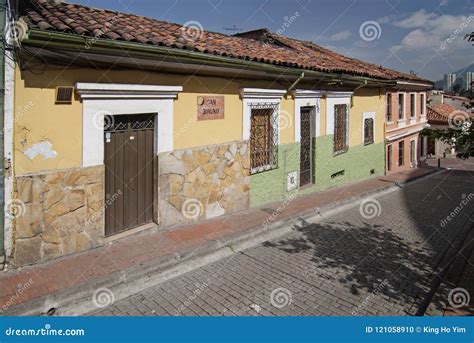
(77, 300)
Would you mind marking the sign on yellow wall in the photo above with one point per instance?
(210, 107)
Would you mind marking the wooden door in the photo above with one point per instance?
(128, 150)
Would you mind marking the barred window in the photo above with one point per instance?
(389, 158)
(263, 137)
(340, 128)
(422, 104)
(412, 105)
(368, 131)
(389, 107)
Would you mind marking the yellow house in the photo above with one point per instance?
(121, 127)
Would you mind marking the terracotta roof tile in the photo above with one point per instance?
(259, 45)
(440, 114)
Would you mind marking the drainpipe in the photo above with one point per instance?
(363, 84)
(293, 85)
(3, 12)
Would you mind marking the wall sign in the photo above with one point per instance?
(210, 107)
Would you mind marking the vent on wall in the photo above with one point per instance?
(64, 95)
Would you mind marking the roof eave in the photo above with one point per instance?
(48, 39)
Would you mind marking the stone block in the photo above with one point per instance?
(28, 251)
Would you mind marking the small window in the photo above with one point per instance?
(401, 153)
(263, 138)
(422, 104)
(389, 107)
(368, 131)
(412, 105)
(340, 128)
(401, 106)
(389, 158)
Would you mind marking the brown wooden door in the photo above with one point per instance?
(306, 151)
(128, 149)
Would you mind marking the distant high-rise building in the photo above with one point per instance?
(469, 80)
(449, 80)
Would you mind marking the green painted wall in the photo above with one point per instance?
(357, 163)
(270, 185)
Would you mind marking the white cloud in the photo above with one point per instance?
(437, 31)
(417, 19)
(339, 36)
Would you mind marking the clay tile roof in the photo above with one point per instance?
(440, 114)
(259, 45)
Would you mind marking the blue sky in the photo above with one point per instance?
(424, 36)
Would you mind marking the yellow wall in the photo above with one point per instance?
(39, 119)
(367, 100)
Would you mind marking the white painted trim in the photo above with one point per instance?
(424, 105)
(330, 113)
(113, 99)
(367, 115)
(330, 94)
(307, 98)
(261, 93)
(126, 91)
(255, 96)
(404, 106)
(415, 108)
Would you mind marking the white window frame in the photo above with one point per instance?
(333, 99)
(368, 115)
(307, 98)
(423, 114)
(415, 108)
(101, 99)
(402, 121)
(255, 96)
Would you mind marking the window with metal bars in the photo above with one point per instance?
(368, 131)
(263, 137)
(340, 128)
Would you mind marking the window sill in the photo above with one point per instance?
(262, 169)
(368, 143)
(340, 152)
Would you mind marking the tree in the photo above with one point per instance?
(459, 134)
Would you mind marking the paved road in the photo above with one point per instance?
(357, 262)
